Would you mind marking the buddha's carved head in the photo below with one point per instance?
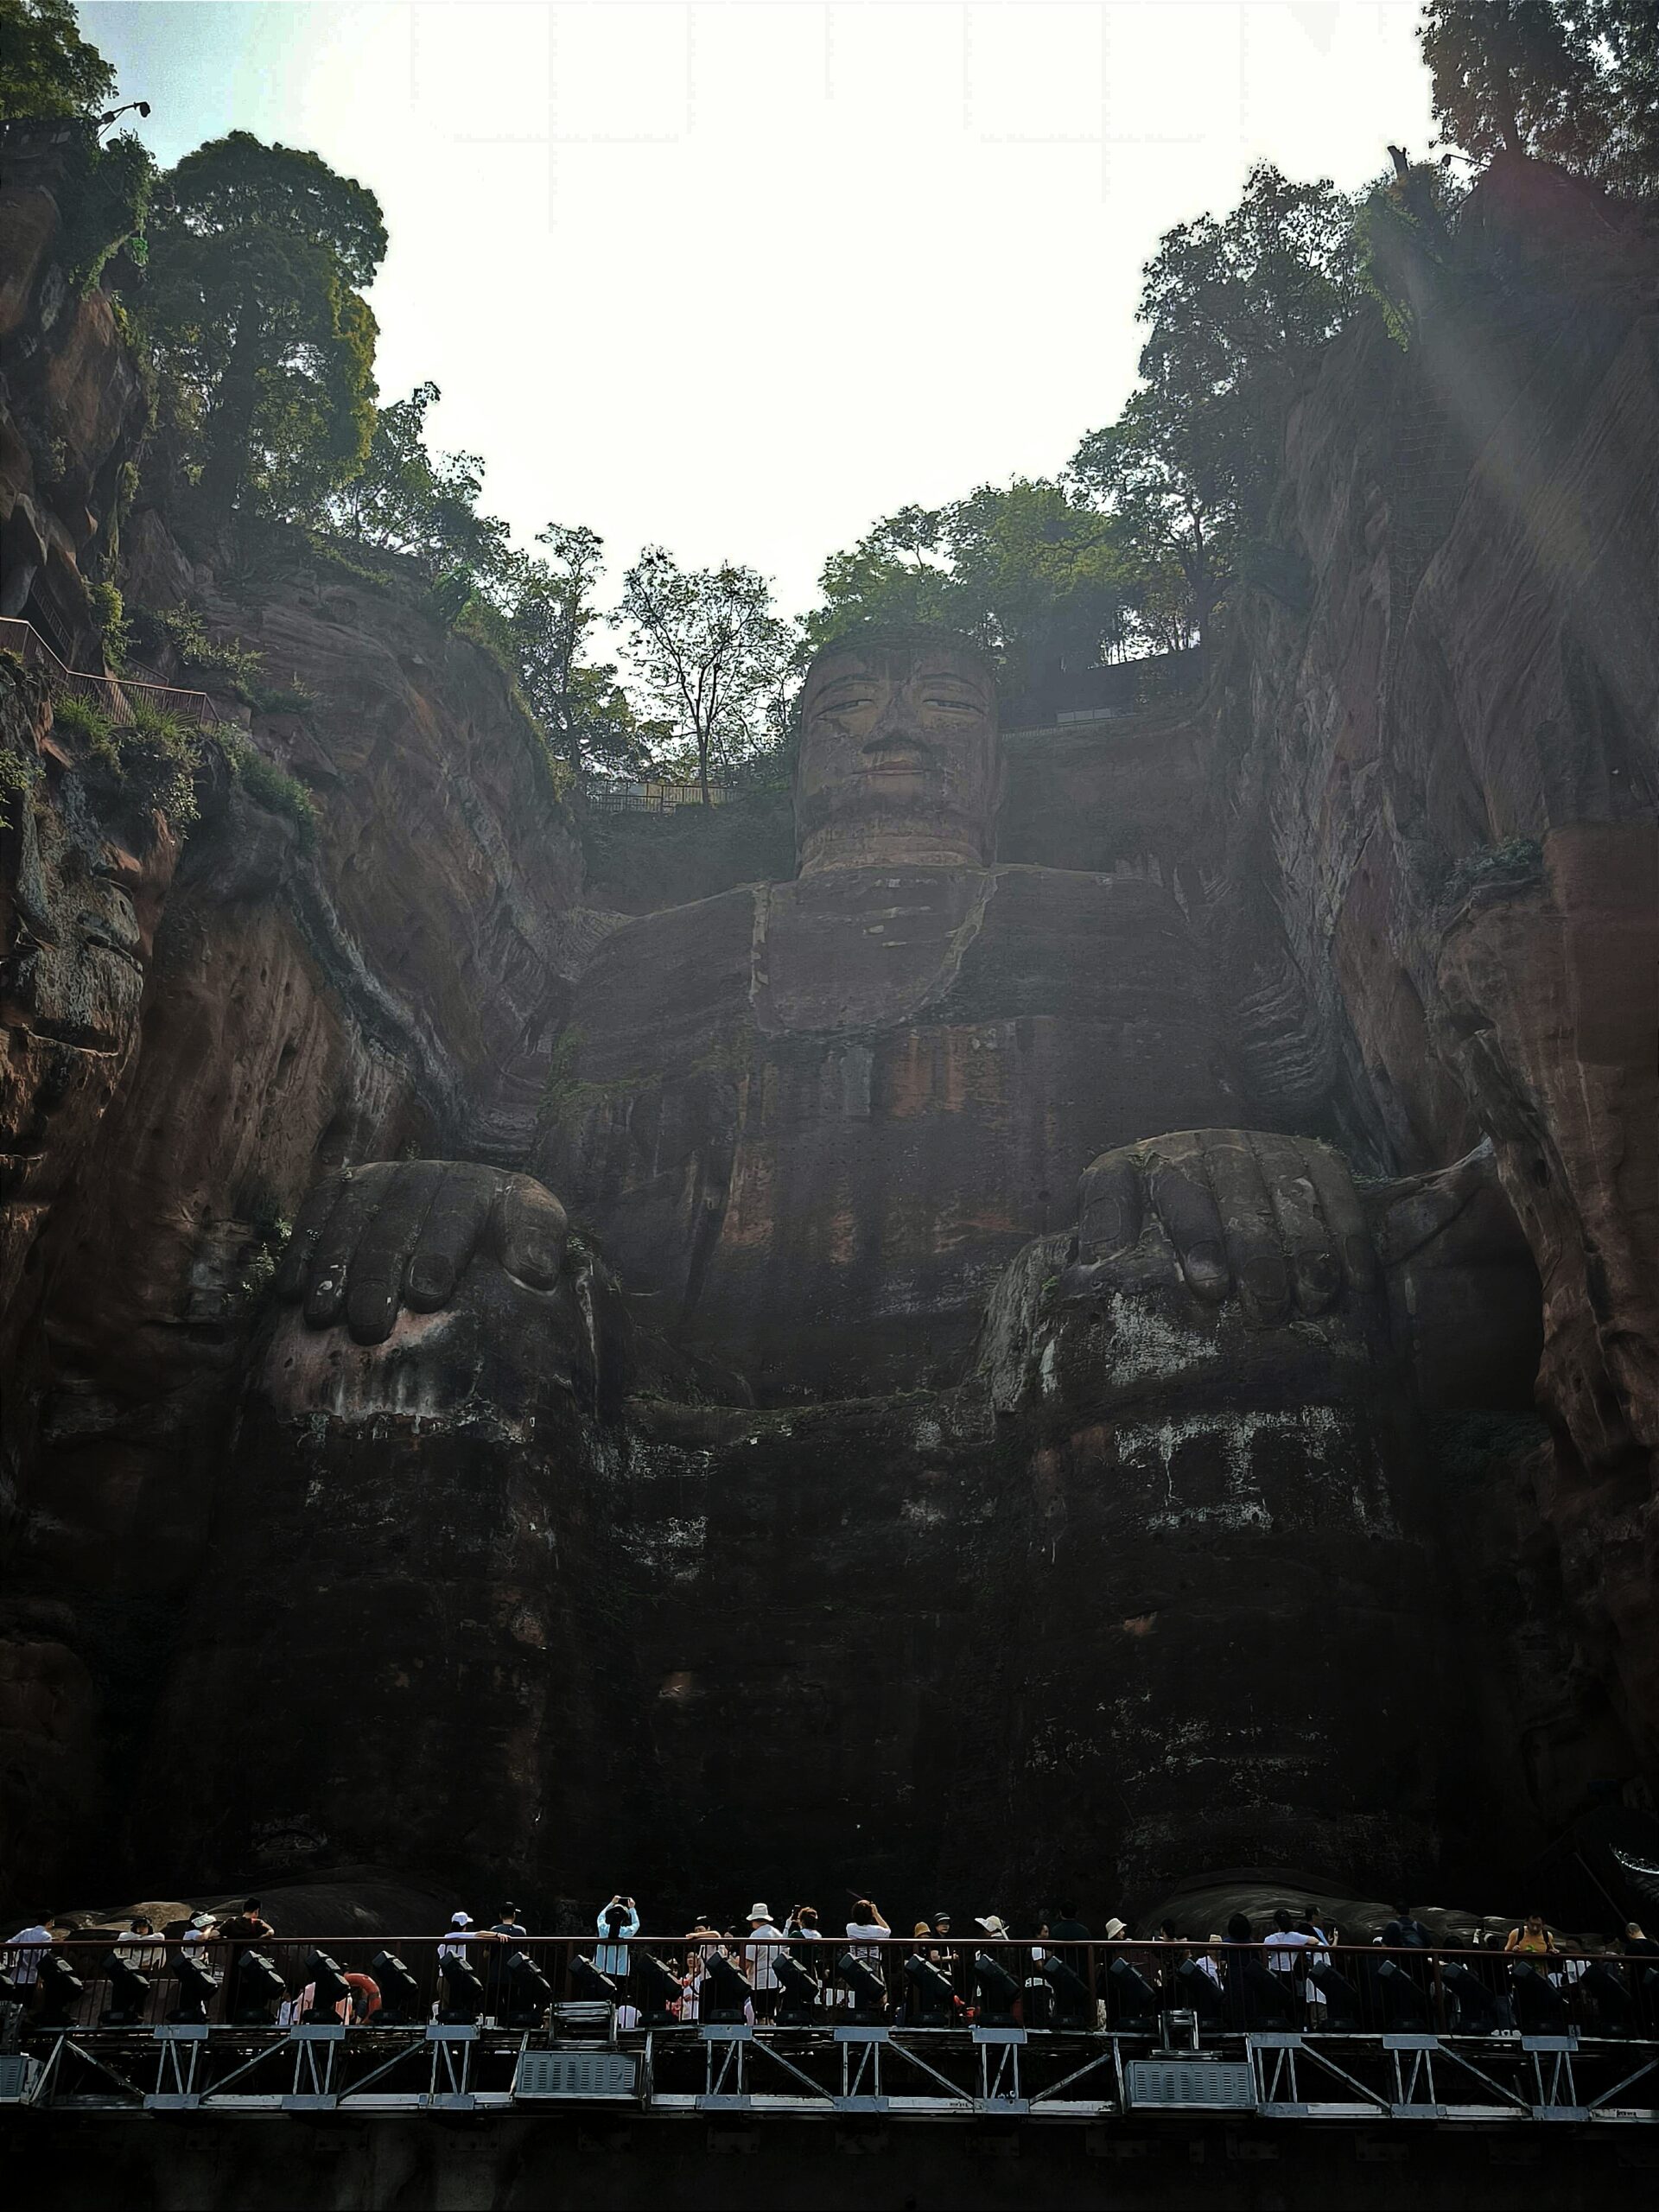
(899, 763)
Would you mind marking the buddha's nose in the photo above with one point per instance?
(895, 720)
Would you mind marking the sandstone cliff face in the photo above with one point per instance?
(1390, 883)
(1443, 775)
(190, 1050)
(75, 403)
(196, 1023)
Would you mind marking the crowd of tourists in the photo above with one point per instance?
(756, 1967)
(1292, 1952)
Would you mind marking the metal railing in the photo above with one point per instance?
(650, 795)
(931, 2029)
(115, 695)
(1039, 1986)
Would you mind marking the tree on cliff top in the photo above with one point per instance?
(1571, 82)
(1173, 482)
(709, 652)
(256, 312)
(1510, 76)
(1033, 572)
(47, 68)
(406, 500)
(1238, 307)
(551, 606)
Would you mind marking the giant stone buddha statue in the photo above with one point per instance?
(1081, 1514)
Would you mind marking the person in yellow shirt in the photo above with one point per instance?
(1531, 1937)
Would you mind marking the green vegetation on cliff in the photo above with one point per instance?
(1133, 548)
(1575, 82)
(255, 324)
(258, 260)
(47, 68)
(149, 763)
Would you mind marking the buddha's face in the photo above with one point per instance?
(899, 763)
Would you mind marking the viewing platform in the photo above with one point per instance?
(1103, 2036)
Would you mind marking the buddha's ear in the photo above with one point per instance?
(1405, 1216)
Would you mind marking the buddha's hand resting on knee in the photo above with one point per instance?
(396, 1234)
(1275, 1222)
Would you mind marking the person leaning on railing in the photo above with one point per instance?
(940, 1953)
(21, 1960)
(1405, 1932)
(141, 1948)
(1531, 1938)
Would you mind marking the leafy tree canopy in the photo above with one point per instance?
(1172, 481)
(1237, 307)
(711, 655)
(551, 608)
(236, 187)
(259, 326)
(47, 68)
(406, 500)
(1571, 82)
(1028, 568)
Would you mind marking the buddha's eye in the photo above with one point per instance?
(845, 705)
(953, 705)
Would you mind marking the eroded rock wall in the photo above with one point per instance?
(198, 1020)
(1390, 882)
(76, 402)
(1440, 772)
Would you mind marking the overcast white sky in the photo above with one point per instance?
(739, 276)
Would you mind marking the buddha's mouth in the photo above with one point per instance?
(895, 756)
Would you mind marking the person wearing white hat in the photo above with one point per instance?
(194, 1942)
(759, 1955)
(994, 1925)
(456, 1946)
(1116, 1931)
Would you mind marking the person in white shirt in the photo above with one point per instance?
(863, 1930)
(141, 1948)
(802, 1926)
(760, 1953)
(1284, 1940)
(465, 1933)
(22, 1955)
(707, 1937)
(1282, 1944)
(691, 2005)
(197, 1936)
(1314, 1926)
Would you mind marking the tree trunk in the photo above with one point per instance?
(230, 429)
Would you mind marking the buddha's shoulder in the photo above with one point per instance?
(658, 975)
(716, 928)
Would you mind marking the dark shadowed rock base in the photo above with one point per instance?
(493, 2165)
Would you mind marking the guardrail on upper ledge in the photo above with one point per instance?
(115, 695)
